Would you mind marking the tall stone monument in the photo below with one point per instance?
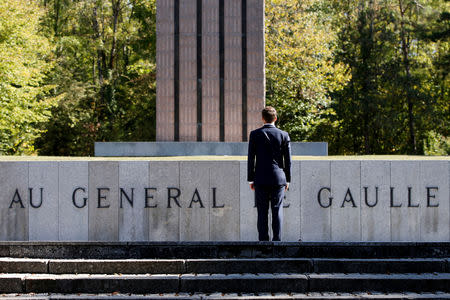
(210, 69)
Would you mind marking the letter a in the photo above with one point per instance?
(18, 200)
(196, 200)
(348, 199)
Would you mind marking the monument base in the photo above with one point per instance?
(196, 148)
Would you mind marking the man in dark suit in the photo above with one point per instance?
(269, 172)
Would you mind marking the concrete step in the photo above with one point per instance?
(189, 250)
(226, 266)
(225, 283)
(232, 296)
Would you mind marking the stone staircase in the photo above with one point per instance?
(225, 270)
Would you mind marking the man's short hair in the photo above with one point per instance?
(269, 114)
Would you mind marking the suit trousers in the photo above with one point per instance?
(265, 196)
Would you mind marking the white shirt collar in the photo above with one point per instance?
(272, 124)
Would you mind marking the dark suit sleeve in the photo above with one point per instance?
(287, 157)
(251, 158)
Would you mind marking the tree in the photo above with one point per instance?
(300, 70)
(105, 74)
(25, 58)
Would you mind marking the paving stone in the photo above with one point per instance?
(108, 266)
(379, 282)
(15, 265)
(92, 283)
(242, 283)
(230, 266)
(381, 266)
(12, 283)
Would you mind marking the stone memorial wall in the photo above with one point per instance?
(148, 200)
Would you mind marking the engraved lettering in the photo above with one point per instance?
(148, 196)
(319, 198)
(429, 196)
(101, 197)
(170, 196)
(124, 194)
(31, 198)
(16, 199)
(74, 197)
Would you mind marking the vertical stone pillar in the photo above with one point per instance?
(188, 71)
(255, 63)
(165, 70)
(211, 71)
(233, 71)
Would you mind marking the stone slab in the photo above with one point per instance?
(224, 201)
(406, 200)
(14, 201)
(93, 283)
(43, 199)
(380, 266)
(247, 208)
(379, 282)
(375, 211)
(195, 200)
(116, 266)
(103, 201)
(133, 213)
(14, 265)
(266, 265)
(435, 210)
(73, 185)
(346, 207)
(164, 219)
(196, 148)
(12, 283)
(291, 211)
(243, 283)
(315, 220)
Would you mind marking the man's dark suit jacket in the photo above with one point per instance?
(269, 156)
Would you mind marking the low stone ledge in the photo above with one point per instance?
(248, 283)
(142, 149)
(87, 283)
(107, 266)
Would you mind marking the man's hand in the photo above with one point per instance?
(252, 186)
(287, 186)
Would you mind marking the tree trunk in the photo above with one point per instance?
(406, 64)
(115, 11)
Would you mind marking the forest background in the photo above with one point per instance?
(366, 76)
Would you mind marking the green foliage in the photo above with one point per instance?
(367, 76)
(300, 70)
(24, 61)
(436, 144)
(105, 75)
